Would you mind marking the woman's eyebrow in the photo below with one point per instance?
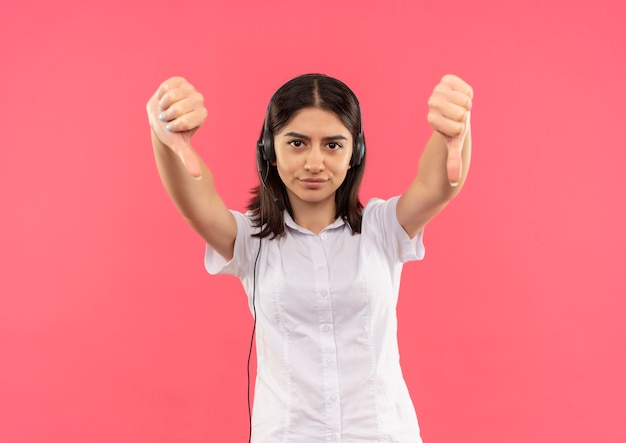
(306, 137)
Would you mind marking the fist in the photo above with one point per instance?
(175, 112)
(449, 109)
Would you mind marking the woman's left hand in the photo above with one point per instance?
(449, 109)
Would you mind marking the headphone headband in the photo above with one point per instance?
(265, 145)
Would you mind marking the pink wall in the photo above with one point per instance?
(511, 330)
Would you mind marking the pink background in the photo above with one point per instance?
(511, 330)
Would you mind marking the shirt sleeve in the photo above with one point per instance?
(381, 222)
(244, 252)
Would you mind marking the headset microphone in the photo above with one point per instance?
(279, 203)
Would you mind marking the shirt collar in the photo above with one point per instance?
(290, 223)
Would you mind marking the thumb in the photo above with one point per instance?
(189, 159)
(455, 162)
(455, 147)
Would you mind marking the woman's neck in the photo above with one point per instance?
(314, 216)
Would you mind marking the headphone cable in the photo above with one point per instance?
(256, 260)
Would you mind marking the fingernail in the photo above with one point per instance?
(169, 127)
(454, 184)
(162, 116)
(198, 178)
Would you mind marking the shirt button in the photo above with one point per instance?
(324, 236)
(329, 362)
(333, 437)
(325, 328)
(324, 293)
(333, 398)
(320, 268)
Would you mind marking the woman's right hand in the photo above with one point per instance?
(175, 112)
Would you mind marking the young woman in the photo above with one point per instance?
(321, 271)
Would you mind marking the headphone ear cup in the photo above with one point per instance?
(268, 146)
(260, 155)
(359, 150)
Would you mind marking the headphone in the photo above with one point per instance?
(265, 145)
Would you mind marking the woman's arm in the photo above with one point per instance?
(445, 161)
(175, 113)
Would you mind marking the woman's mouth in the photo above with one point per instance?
(313, 183)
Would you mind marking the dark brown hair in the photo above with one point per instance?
(308, 91)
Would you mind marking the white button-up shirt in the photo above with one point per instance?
(328, 367)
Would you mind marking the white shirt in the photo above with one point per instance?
(328, 367)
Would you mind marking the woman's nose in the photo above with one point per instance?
(314, 160)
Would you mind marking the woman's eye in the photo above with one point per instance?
(333, 146)
(296, 143)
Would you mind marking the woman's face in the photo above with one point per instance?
(313, 152)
